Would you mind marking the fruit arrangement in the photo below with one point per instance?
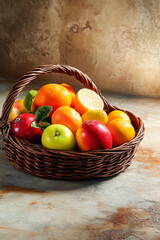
(58, 118)
(67, 135)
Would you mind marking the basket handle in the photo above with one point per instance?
(41, 70)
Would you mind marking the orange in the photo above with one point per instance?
(87, 99)
(53, 95)
(99, 115)
(122, 131)
(68, 117)
(72, 92)
(118, 114)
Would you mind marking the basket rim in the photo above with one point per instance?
(126, 146)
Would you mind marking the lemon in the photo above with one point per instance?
(99, 115)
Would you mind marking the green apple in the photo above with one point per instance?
(57, 136)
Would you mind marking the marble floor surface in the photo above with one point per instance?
(123, 207)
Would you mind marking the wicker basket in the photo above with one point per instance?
(57, 164)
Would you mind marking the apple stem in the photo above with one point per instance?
(57, 133)
(17, 120)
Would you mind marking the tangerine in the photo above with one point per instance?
(118, 114)
(68, 117)
(122, 131)
(53, 95)
(72, 92)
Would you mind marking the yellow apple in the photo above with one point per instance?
(17, 109)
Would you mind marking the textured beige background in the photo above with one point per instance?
(116, 42)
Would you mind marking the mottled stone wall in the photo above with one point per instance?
(115, 42)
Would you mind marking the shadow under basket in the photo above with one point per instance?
(58, 164)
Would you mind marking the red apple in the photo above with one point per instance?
(21, 127)
(93, 135)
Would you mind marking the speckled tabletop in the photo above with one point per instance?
(123, 207)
